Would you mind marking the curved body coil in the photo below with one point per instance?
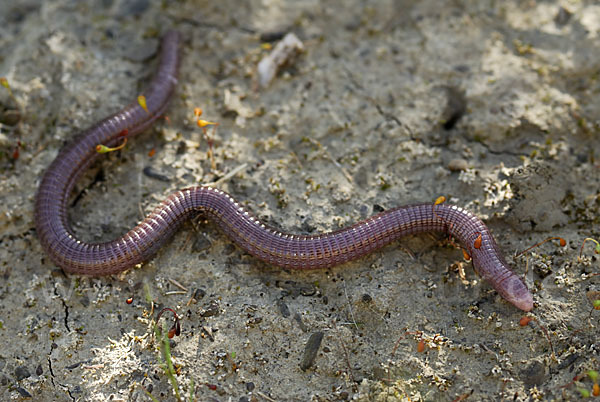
(268, 244)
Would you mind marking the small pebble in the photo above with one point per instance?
(562, 17)
(197, 295)
(534, 373)
(378, 208)
(84, 300)
(310, 352)
(201, 243)
(135, 8)
(272, 36)
(155, 174)
(73, 366)
(456, 107)
(23, 392)
(567, 361)
(283, 53)
(283, 308)
(301, 324)
(142, 52)
(22, 373)
(211, 310)
(456, 165)
(9, 117)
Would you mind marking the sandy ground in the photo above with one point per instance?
(493, 104)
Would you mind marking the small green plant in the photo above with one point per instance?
(596, 250)
(580, 386)
(164, 357)
(163, 336)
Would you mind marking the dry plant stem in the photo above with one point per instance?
(597, 249)
(268, 244)
(561, 240)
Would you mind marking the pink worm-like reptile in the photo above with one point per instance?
(265, 243)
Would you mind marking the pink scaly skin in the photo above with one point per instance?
(268, 244)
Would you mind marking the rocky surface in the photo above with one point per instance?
(493, 104)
